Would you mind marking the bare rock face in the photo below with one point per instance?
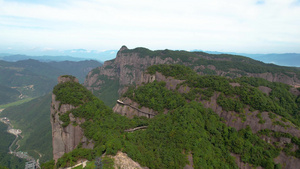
(265, 89)
(65, 139)
(293, 81)
(287, 161)
(121, 160)
(67, 78)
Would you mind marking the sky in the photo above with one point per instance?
(247, 26)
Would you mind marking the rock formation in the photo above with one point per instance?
(121, 160)
(65, 139)
(126, 68)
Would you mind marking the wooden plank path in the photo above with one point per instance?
(147, 113)
(134, 129)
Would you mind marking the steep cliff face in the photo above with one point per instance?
(278, 77)
(126, 68)
(65, 139)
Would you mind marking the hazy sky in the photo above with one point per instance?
(252, 26)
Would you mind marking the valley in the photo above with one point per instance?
(17, 133)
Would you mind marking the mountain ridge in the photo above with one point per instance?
(129, 64)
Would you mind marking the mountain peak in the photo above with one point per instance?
(67, 78)
(123, 48)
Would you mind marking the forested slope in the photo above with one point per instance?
(185, 126)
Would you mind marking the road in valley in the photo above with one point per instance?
(17, 133)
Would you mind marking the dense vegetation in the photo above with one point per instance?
(156, 97)
(33, 118)
(279, 100)
(188, 127)
(6, 159)
(64, 92)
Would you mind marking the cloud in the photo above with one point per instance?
(108, 24)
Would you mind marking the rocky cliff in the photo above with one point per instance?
(129, 108)
(65, 139)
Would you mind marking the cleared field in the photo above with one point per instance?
(4, 106)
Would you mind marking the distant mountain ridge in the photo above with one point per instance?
(45, 58)
(285, 59)
(58, 55)
(282, 59)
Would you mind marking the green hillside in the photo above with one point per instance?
(187, 127)
(33, 118)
